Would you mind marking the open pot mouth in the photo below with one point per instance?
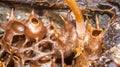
(96, 32)
(34, 21)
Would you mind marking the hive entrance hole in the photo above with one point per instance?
(34, 21)
(96, 32)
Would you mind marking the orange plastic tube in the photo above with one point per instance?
(76, 10)
(80, 27)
